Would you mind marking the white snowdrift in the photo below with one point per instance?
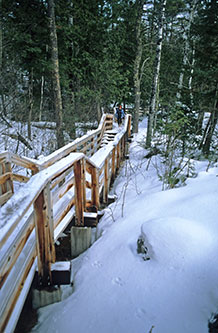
(176, 291)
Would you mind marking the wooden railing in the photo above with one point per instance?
(88, 144)
(68, 185)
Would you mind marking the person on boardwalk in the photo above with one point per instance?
(120, 114)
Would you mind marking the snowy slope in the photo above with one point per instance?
(176, 291)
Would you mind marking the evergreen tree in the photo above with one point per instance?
(206, 72)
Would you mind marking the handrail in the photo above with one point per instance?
(34, 217)
(88, 144)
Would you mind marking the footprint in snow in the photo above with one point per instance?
(118, 281)
(140, 312)
(97, 264)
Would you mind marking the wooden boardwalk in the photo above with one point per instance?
(69, 183)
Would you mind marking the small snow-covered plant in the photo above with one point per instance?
(142, 248)
(174, 144)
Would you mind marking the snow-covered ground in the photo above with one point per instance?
(115, 289)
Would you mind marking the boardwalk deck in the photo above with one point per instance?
(68, 183)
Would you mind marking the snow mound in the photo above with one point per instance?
(167, 238)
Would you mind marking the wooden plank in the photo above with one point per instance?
(5, 197)
(4, 157)
(5, 177)
(106, 183)
(33, 188)
(43, 239)
(3, 184)
(15, 314)
(118, 156)
(90, 215)
(88, 184)
(14, 246)
(64, 223)
(129, 126)
(66, 150)
(95, 201)
(12, 288)
(113, 166)
(25, 162)
(62, 190)
(79, 197)
(60, 178)
(9, 182)
(20, 178)
(66, 207)
(50, 221)
(83, 181)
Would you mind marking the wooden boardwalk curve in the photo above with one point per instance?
(69, 183)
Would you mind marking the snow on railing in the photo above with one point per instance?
(68, 185)
(88, 144)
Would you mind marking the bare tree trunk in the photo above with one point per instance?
(98, 106)
(209, 130)
(152, 24)
(30, 103)
(55, 75)
(186, 51)
(1, 37)
(137, 77)
(152, 107)
(191, 77)
(41, 98)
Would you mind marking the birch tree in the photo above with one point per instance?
(154, 91)
(55, 75)
(186, 51)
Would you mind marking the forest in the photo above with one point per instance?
(67, 61)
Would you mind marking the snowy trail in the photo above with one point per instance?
(176, 291)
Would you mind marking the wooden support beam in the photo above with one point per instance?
(83, 181)
(20, 178)
(3, 184)
(44, 236)
(4, 178)
(106, 181)
(129, 126)
(9, 183)
(113, 164)
(118, 156)
(79, 195)
(95, 188)
(5, 197)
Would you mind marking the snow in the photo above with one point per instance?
(115, 289)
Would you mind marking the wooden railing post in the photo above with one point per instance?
(44, 236)
(106, 181)
(122, 147)
(10, 185)
(83, 181)
(95, 188)
(79, 193)
(118, 156)
(3, 184)
(129, 126)
(113, 164)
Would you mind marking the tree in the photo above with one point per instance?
(137, 74)
(154, 92)
(55, 75)
(205, 32)
(186, 50)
